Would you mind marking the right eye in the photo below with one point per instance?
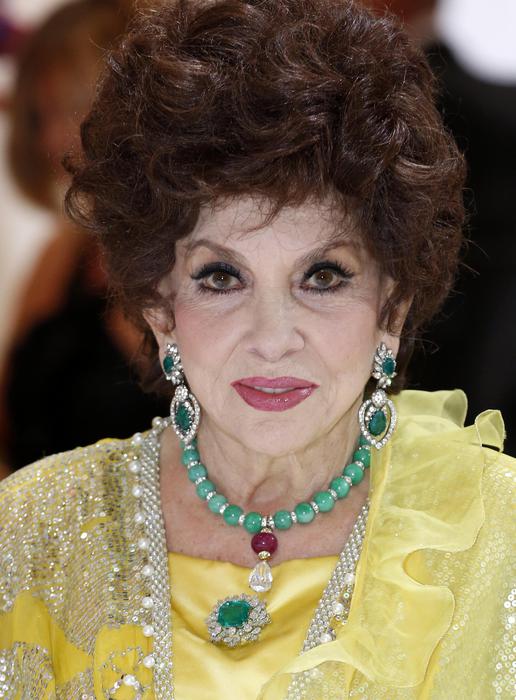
(218, 278)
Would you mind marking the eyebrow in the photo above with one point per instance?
(305, 260)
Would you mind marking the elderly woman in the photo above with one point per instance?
(280, 209)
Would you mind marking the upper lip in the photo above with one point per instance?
(275, 382)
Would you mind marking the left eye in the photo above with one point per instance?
(324, 279)
(220, 280)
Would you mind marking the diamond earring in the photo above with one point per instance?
(185, 411)
(377, 415)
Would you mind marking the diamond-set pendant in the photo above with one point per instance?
(377, 416)
(260, 578)
(240, 619)
(185, 413)
(237, 620)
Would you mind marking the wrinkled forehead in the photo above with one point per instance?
(245, 222)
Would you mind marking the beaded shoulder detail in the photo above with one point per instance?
(68, 539)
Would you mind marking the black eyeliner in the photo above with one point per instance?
(209, 268)
(327, 265)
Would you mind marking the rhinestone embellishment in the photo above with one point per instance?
(237, 620)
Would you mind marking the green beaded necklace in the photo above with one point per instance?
(264, 542)
(238, 620)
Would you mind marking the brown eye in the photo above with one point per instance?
(220, 280)
(325, 278)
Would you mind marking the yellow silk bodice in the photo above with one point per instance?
(198, 584)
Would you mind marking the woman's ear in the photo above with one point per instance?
(391, 337)
(161, 324)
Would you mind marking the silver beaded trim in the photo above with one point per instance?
(333, 607)
(158, 580)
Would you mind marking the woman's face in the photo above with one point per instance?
(295, 298)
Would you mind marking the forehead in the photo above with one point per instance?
(243, 223)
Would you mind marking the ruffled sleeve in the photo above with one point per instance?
(425, 495)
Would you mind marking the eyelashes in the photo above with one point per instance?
(225, 270)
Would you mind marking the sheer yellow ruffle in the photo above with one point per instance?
(425, 494)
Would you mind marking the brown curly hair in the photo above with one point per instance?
(286, 100)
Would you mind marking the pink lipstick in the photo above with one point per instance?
(273, 394)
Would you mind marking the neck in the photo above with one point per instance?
(265, 483)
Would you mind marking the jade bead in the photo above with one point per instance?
(192, 443)
(363, 456)
(190, 455)
(340, 486)
(354, 472)
(232, 514)
(204, 488)
(363, 442)
(304, 513)
(196, 471)
(282, 520)
(253, 523)
(216, 502)
(324, 500)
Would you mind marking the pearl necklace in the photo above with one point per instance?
(143, 473)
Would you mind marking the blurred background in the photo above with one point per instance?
(67, 374)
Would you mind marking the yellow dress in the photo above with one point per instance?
(433, 614)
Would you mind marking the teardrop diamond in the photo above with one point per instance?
(260, 578)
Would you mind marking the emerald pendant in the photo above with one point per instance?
(378, 423)
(233, 613)
(182, 417)
(237, 620)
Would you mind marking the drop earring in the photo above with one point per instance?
(377, 415)
(185, 411)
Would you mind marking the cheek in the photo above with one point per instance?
(346, 347)
(205, 336)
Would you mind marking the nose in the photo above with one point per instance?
(274, 331)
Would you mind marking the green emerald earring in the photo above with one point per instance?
(377, 415)
(185, 411)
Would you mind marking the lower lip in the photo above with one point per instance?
(273, 402)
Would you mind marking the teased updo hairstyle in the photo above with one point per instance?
(283, 99)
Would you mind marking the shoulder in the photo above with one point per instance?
(54, 471)
(59, 491)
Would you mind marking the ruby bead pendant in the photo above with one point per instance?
(264, 542)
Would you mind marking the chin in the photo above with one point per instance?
(274, 437)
